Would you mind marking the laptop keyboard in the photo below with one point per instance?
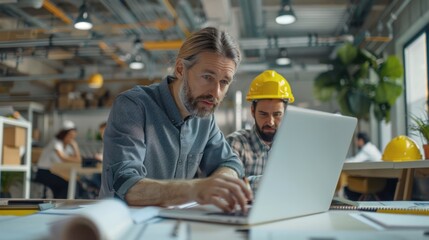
(230, 214)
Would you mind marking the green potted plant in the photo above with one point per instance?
(420, 127)
(7, 180)
(361, 81)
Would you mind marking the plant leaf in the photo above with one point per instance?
(343, 103)
(363, 72)
(326, 79)
(421, 126)
(382, 111)
(359, 103)
(347, 53)
(387, 92)
(324, 94)
(391, 68)
(369, 57)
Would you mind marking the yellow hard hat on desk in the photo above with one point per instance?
(401, 148)
(270, 85)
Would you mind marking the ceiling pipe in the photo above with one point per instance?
(78, 74)
(16, 12)
(58, 41)
(118, 9)
(110, 52)
(173, 13)
(252, 17)
(389, 24)
(143, 14)
(42, 77)
(26, 3)
(245, 44)
(156, 73)
(291, 42)
(187, 12)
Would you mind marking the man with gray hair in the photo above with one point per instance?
(159, 137)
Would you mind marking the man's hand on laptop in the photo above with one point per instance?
(223, 191)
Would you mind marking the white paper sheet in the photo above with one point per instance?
(105, 220)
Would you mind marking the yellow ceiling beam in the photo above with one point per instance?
(163, 45)
(378, 39)
(160, 24)
(52, 8)
(180, 23)
(107, 50)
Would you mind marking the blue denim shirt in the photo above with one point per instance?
(147, 137)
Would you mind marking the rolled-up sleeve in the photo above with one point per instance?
(218, 153)
(124, 146)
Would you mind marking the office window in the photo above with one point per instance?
(416, 79)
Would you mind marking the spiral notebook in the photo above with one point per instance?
(401, 207)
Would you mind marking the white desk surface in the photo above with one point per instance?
(386, 165)
(330, 225)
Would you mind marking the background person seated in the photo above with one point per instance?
(363, 188)
(63, 148)
(367, 150)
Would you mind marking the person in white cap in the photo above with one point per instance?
(63, 148)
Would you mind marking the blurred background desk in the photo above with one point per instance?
(69, 172)
(403, 171)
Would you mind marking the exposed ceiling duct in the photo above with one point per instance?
(17, 12)
(24, 3)
(252, 18)
(31, 30)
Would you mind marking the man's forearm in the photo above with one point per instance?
(159, 192)
(227, 171)
(222, 189)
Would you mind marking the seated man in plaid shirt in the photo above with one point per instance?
(269, 93)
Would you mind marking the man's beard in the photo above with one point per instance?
(267, 137)
(191, 103)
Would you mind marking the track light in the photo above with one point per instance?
(83, 22)
(286, 14)
(283, 58)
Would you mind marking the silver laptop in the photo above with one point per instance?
(302, 172)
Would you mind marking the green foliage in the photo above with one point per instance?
(421, 126)
(8, 178)
(350, 84)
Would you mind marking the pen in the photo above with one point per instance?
(246, 181)
(175, 232)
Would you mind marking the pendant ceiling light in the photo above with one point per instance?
(136, 62)
(283, 58)
(286, 14)
(83, 21)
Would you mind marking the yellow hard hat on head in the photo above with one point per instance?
(401, 148)
(270, 85)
